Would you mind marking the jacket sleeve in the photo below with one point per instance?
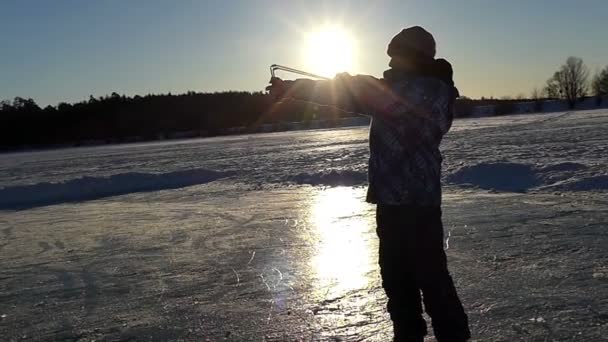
(442, 112)
(374, 97)
(424, 101)
(360, 94)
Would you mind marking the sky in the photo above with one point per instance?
(65, 51)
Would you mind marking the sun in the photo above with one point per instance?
(329, 50)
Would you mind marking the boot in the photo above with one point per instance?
(404, 333)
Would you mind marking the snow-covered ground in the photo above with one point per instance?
(267, 237)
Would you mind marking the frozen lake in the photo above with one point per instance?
(267, 237)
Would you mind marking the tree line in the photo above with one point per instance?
(571, 82)
(118, 118)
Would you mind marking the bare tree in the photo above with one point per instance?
(569, 82)
(599, 85)
(552, 90)
(5, 104)
(536, 94)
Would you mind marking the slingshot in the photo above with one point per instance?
(275, 67)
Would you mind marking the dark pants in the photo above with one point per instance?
(412, 260)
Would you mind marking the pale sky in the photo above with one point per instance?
(63, 50)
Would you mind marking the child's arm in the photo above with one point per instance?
(361, 94)
(367, 95)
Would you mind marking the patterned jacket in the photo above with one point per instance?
(410, 114)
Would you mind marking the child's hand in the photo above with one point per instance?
(278, 87)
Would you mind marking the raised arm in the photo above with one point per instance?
(428, 98)
(358, 94)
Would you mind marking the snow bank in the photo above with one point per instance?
(495, 176)
(90, 188)
(510, 177)
(515, 177)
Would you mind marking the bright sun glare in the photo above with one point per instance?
(344, 251)
(329, 51)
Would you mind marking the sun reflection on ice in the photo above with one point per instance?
(342, 261)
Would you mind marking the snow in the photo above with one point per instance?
(514, 177)
(498, 176)
(267, 237)
(90, 188)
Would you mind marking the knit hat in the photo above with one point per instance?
(411, 42)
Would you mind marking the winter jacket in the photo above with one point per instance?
(410, 114)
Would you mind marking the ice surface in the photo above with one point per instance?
(267, 237)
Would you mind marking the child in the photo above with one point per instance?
(411, 110)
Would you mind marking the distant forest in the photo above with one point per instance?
(118, 118)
